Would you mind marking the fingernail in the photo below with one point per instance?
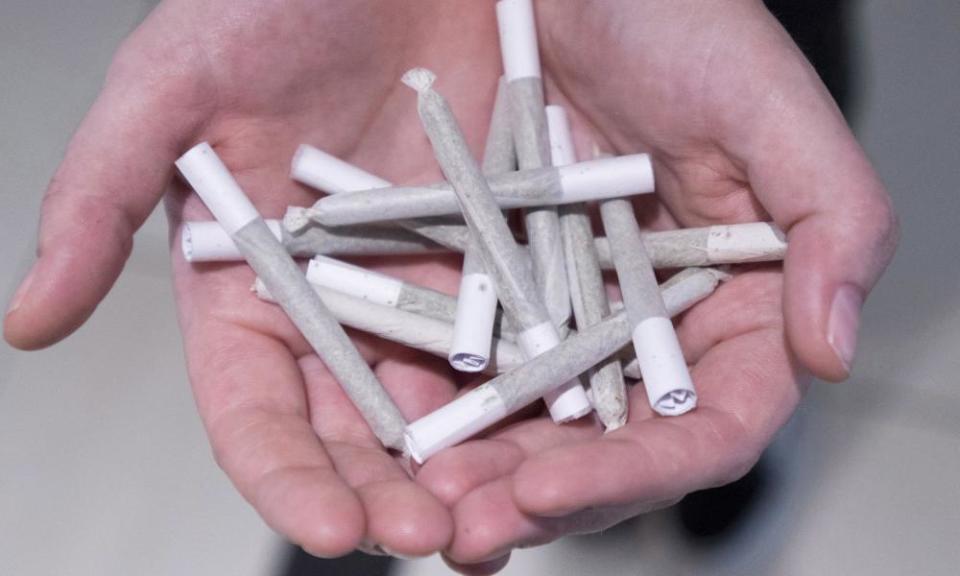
(844, 323)
(20, 293)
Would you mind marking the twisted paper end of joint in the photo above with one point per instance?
(260, 289)
(296, 219)
(722, 273)
(420, 79)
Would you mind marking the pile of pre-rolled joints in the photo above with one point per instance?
(556, 331)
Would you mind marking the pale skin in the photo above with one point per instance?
(739, 125)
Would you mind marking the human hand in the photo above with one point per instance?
(256, 79)
(740, 129)
(259, 78)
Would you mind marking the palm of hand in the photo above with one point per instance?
(269, 76)
(280, 426)
(649, 91)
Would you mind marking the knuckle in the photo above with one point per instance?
(739, 466)
(890, 228)
(748, 446)
(879, 216)
(882, 229)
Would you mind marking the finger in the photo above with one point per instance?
(115, 170)
(812, 176)
(402, 517)
(249, 392)
(776, 144)
(747, 388)
(721, 315)
(489, 524)
(457, 471)
(480, 569)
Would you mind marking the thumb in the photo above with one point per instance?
(810, 173)
(115, 170)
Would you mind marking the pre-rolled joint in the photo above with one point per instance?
(209, 242)
(569, 401)
(561, 140)
(473, 327)
(354, 281)
(518, 39)
(750, 242)
(606, 178)
(454, 423)
(323, 171)
(666, 377)
(211, 179)
(187, 235)
(538, 339)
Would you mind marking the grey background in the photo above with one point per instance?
(104, 468)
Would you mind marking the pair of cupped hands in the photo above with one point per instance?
(740, 128)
